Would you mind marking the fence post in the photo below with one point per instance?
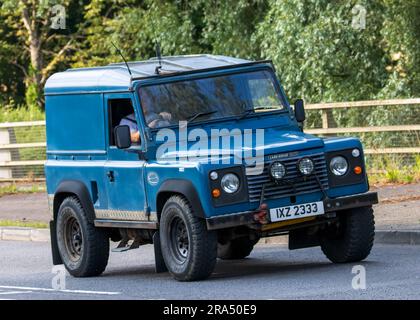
(324, 113)
(5, 155)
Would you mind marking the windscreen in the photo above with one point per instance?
(240, 94)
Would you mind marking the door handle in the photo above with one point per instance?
(110, 175)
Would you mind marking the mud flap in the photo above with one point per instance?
(160, 265)
(300, 238)
(56, 258)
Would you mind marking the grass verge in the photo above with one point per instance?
(14, 189)
(28, 224)
(386, 170)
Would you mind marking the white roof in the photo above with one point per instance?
(116, 77)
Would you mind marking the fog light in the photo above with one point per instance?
(306, 166)
(277, 170)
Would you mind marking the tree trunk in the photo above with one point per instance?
(33, 80)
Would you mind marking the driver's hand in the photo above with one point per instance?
(135, 137)
(166, 116)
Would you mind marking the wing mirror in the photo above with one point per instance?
(122, 137)
(299, 110)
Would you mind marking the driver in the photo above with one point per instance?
(153, 120)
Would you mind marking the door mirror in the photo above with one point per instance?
(122, 137)
(299, 110)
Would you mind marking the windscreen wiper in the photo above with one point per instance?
(251, 110)
(200, 114)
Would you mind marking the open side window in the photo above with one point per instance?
(117, 110)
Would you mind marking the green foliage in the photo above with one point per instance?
(393, 169)
(319, 54)
(229, 26)
(401, 33)
(13, 113)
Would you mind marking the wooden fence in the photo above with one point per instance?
(8, 147)
(327, 130)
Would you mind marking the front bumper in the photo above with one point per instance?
(330, 205)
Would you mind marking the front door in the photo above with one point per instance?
(123, 170)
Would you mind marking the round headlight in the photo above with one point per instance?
(230, 183)
(339, 166)
(277, 170)
(306, 166)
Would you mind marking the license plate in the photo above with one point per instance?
(297, 211)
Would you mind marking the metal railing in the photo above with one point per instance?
(23, 146)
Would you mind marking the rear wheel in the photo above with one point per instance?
(83, 248)
(350, 240)
(238, 248)
(188, 248)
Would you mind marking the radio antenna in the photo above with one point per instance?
(159, 57)
(125, 61)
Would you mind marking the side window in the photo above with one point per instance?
(118, 109)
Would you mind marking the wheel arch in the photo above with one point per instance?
(77, 188)
(180, 187)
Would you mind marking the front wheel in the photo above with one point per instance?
(351, 239)
(188, 248)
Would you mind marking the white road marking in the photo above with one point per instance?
(62, 291)
(14, 292)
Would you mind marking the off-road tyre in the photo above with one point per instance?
(84, 249)
(352, 239)
(188, 248)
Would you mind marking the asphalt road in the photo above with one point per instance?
(271, 272)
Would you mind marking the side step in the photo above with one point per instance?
(127, 244)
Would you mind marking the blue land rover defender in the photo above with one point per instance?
(200, 156)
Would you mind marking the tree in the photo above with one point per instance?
(401, 34)
(319, 54)
(135, 27)
(181, 27)
(40, 47)
(228, 26)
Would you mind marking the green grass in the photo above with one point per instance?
(385, 170)
(14, 189)
(28, 224)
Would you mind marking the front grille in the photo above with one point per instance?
(279, 190)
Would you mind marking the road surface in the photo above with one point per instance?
(271, 272)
